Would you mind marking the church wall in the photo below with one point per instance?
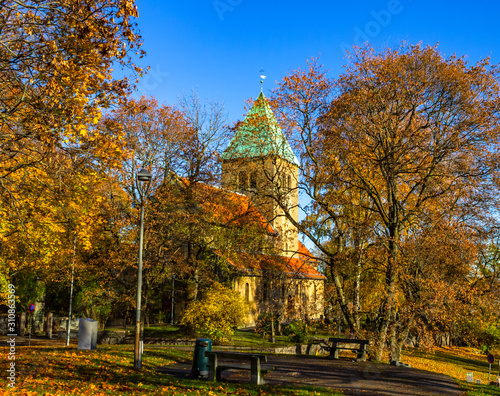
(303, 298)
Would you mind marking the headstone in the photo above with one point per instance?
(87, 334)
(478, 381)
(470, 377)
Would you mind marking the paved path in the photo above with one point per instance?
(353, 378)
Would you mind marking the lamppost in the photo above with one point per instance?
(143, 182)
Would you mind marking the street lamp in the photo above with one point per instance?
(143, 182)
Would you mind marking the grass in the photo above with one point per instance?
(244, 338)
(60, 370)
(456, 362)
(241, 338)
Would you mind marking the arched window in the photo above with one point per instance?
(253, 179)
(247, 292)
(242, 180)
(289, 182)
(264, 292)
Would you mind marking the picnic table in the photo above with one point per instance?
(336, 346)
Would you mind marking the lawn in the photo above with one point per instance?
(60, 370)
(456, 362)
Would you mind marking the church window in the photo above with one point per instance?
(253, 179)
(264, 292)
(289, 182)
(247, 292)
(242, 180)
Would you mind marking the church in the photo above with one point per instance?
(261, 171)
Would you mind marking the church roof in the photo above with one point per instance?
(256, 263)
(227, 207)
(259, 135)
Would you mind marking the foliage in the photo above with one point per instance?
(217, 313)
(56, 73)
(297, 331)
(398, 159)
(264, 323)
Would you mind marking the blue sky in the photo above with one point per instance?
(217, 47)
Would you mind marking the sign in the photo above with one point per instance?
(32, 308)
(490, 358)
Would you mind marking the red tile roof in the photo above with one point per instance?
(256, 263)
(227, 207)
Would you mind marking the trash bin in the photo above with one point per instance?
(200, 362)
(87, 334)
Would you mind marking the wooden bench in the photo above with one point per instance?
(215, 367)
(361, 350)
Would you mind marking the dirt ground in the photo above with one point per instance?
(350, 377)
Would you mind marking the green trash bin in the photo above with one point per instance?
(200, 362)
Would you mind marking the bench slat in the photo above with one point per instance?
(236, 355)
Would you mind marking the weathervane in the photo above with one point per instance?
(262, 77)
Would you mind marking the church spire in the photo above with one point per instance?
(260, 135)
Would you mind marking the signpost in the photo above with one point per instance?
(491, 359)
(31, 308)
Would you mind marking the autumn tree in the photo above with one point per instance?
(56, 61)
(407, 140)
(332, 223)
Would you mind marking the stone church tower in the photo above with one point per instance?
(260, 164)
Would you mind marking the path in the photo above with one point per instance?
(353, 378)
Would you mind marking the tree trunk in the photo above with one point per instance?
(396, 342)
(389, 305)
(351, 323)
(357, 291)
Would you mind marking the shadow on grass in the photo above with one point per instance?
(442, 356)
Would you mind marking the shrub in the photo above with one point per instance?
(264, 321)
(217, 314)
(296, 331)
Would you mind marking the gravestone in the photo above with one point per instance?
(87, 334)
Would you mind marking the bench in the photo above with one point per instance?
(215, 367)
(361, 350)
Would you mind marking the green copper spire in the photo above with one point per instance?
(260, 135)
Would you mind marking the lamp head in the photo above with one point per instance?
(144, 176)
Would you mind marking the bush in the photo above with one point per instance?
(217, 314)
(264, 321)
(297, 331)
